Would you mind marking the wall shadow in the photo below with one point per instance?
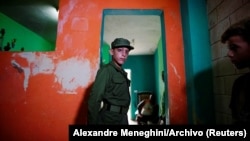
(201, 98)
(81, 116)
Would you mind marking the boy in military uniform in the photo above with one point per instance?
(109, 98)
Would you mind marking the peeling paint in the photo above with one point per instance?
(42, 64)
(37, 64)
(26, 71)
(79, 24)
(17, 66)
(67, 40)
(175, 71)
(71, 74)
(66, 10)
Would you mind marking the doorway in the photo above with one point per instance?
(145, 30)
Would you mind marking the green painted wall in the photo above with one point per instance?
(105, 55)
(197, 62)
(24, 37)
(142, 76)
(159, 62)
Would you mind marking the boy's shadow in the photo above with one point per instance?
(81, 116)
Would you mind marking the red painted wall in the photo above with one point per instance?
(43, 92)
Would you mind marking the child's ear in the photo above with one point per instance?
(111, 51)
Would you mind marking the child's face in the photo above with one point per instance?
(239, 52)
(119, 55)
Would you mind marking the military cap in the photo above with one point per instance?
(121, 42)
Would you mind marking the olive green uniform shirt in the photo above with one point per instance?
(112, 86)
